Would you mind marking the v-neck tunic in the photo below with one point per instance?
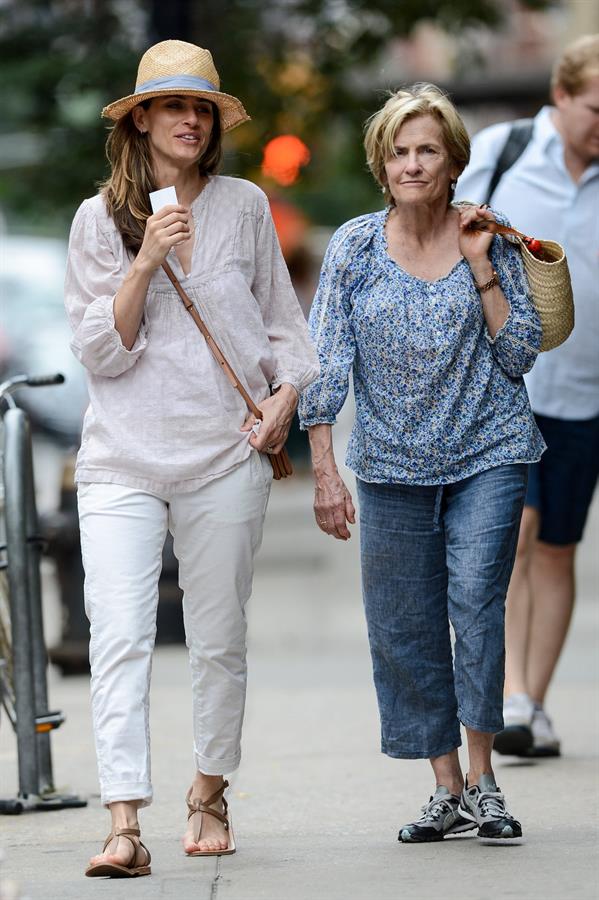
(437, 399)
(162, 416)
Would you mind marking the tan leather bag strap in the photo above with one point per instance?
(496, 228)
(281, 464)
(216, 351)
(539, 250)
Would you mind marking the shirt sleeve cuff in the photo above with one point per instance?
(500, 331)
(306, 423)
(141, 338)
(286, 379)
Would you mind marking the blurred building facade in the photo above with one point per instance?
(493, 74)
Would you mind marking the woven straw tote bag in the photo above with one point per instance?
(549, 280)
(551, 288)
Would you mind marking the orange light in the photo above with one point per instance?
(290, 225)
(283, 158)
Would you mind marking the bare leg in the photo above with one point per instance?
(448, 771)
(214, 835)
(518, 607)
(447, 768)
(483, 802)
(480, 744)
(552, 583)
(123, 815)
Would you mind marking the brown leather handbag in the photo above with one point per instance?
(280, 462)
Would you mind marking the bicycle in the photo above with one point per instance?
(23, 657)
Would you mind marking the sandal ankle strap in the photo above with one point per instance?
(205, 806)
(195, 805)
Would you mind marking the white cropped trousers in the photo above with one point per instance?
(217, 531)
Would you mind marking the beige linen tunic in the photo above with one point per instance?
(162, 416)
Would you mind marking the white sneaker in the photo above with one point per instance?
(545, 740)
(516, 739)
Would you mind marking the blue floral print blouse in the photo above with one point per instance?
(437, 399)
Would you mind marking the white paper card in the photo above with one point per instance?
(164, 197)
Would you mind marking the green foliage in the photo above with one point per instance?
(300, 66)
(57, 66)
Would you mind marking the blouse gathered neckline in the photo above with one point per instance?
(196, 207)
(382, 236)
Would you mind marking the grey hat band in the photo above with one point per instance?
(176, 82)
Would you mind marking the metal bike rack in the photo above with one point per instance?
(23, 544)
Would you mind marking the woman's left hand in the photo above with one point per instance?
(474, 245)
(277, 411)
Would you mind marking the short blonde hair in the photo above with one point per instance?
(578, 63)
(420, 99)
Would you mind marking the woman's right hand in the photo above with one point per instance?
(166, 228)
(333, 505)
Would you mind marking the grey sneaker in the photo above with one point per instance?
(440, 816)
(484, 804)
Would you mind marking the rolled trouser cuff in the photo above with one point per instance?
(126, 791)
(217, 766)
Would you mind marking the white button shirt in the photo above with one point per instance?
(540, 198)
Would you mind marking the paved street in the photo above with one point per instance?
(316, 807)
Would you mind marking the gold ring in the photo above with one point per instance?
(270, 449)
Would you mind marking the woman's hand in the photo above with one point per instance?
(277, 411)
(333, 506)
(165, 229)
(474, 245)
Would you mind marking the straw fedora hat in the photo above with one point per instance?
(176, 67)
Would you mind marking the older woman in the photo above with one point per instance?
(167, 442)
(436, 321)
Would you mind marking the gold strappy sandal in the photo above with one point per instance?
(114, 870)
(205, 806)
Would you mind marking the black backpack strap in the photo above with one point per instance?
(517, 140)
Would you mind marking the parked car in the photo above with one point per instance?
(35, 332)
(34, 338)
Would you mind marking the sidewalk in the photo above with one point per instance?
(316, 807)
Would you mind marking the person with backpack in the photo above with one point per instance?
(543, 174)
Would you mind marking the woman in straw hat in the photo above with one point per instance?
(167, 442)
(436, 320)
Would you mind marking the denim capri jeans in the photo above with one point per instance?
(431, 556)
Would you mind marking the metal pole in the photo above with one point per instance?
(15, 437)
(38, 644)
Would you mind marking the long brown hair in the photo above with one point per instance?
(126, 190)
